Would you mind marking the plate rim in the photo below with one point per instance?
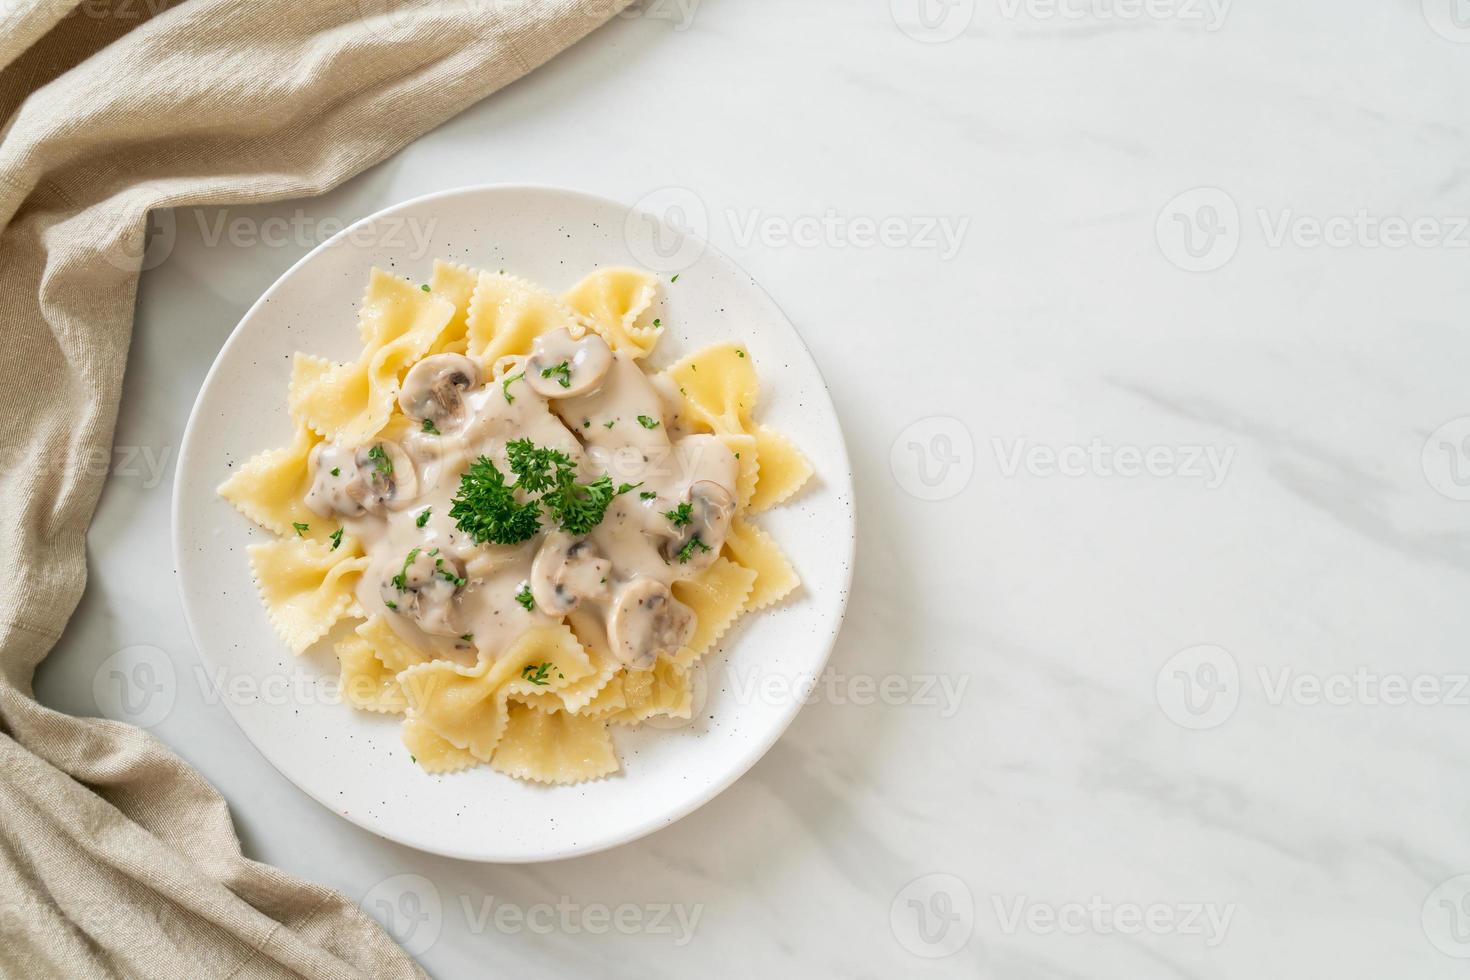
(743, 763)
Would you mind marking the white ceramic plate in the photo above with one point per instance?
(353, 762)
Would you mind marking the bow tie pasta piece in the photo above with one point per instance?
(507, 313)
(554, 746)
(271, 488)
(717, 596)
(306, 586)
(349, 403)
(754, 549)
(575, 696)
(388, 646)
(367, 682)
(608, 701)
(665, 690)
(455, 283)
(783, 469)
(433, 753)
(394, 309)
(466, 706)
(611, 302)
(747, 461)
(718, 386)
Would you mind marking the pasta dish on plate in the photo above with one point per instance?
(515, 532)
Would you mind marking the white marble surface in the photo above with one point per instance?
(1292, 510)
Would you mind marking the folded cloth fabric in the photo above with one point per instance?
(115, 857)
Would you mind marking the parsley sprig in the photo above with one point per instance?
(561, 372)
(687, 552)
(489, 509)
(486, 507)
(380, 460)
(400, 581)
(538, 674)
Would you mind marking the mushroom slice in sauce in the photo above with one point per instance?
(566, 571)
(710, 508)
(354, 481)
(560, 367)
(646, 621)
(425, 589)
(433, 390)
(389, 478)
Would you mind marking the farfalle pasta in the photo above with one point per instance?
(519, 537)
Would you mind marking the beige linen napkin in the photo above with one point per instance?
(115, 857)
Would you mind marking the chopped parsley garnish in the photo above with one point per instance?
(468, 637)
(676, 278)
(391, 605)
(579, 507)
(336, 537)
(609, 423)
(505, 387)
(536, 466)
(537, 675)
(453, 579)
(525, 598)
(740, 353)
(679, 515)
(430, 427)
(647, 423)
(657, 322)
(647, 495)
(425, 287)
(562, 372)
(400, 581)
(423, 517)
(687, 552)
(301, 529)
(336, 471)
(380, 460)
(486, 508)
(625, 487)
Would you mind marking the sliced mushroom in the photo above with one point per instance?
(566, 571)
(424, 589)
(697, 543)
(647, 621)
(353, 481)
(333, 472)
(560, 367)
(388, 477)
(433, 390)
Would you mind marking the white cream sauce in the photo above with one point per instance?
(455, 598)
